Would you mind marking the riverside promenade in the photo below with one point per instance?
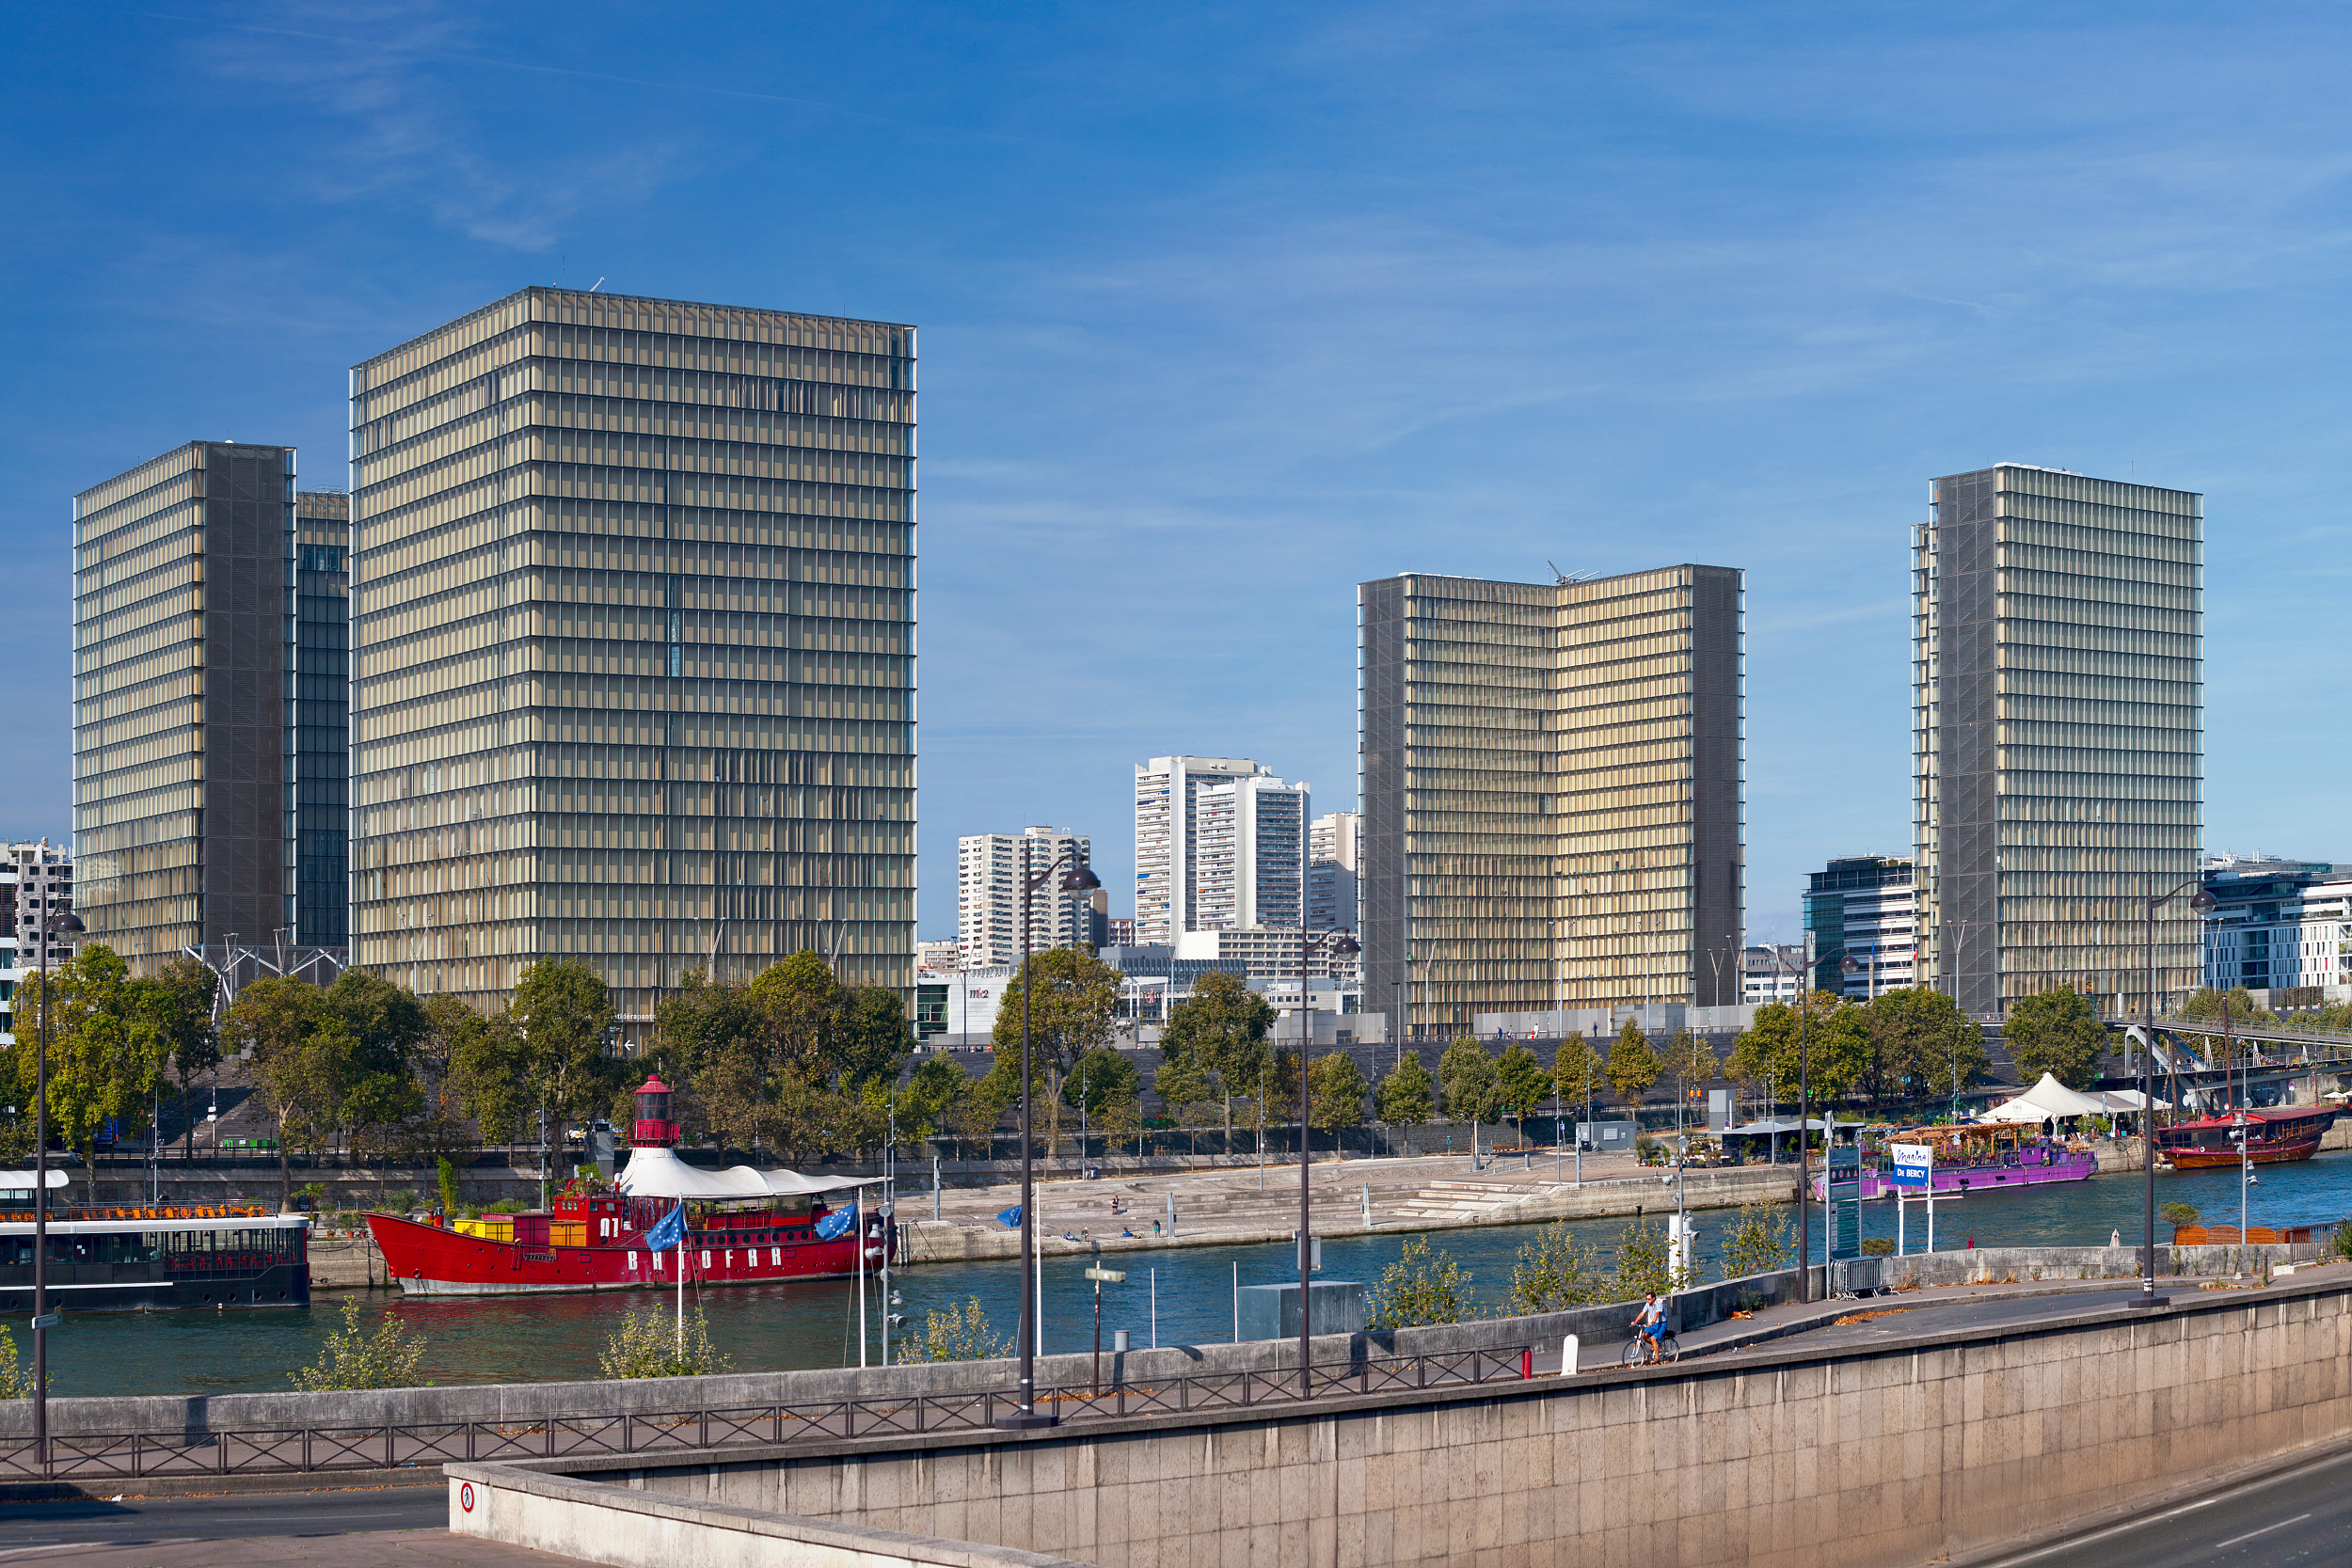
(1230, 1206)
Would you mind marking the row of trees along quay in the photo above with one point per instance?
(794, 1065)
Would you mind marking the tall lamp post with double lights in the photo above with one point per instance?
(1333, 945)
(2200, 901)
(53, 927)
(1078, 879)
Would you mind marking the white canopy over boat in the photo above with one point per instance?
(22, 1180)
(2045, 1101)
(660, 1173)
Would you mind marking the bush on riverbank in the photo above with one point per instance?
(652, 1343)
(956, 1334)
(16, 1378)
(389, 1358)
(1424, 1286)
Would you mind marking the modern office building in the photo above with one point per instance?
(1167, 793)
(1863, 908)
(2281, 927)
(36, 882)
(2058, 734)
(1332, 853)
(184, 812)
(1552, 793)
(988, 871)
(1770, 974)
(633, 645)
(321, 702)
(1249, 854)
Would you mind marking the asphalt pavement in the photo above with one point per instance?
(2287, 1520)
(49, 1527)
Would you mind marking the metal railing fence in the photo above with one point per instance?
(397, 1445)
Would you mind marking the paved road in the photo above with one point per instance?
(2302, 1516)
(219, 1518)
(1886, 1317)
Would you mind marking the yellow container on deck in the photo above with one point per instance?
(490, 1227)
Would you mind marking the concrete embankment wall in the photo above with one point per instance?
(1897, 1453)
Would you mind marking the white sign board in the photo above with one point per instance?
(1915, 1165)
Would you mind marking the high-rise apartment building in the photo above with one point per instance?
(633, 645)
(1249, 838)
(1331, 858)
(2058, 733)
(36, 883)
(322, 701)
(1167, 793)
(988, 871)
(1864, 907)
(185, 722)
(1552, 792)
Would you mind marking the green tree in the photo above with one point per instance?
(798, 999)
(1336, 1093)
(1759, 1242)
(276, 1020)
(953, 1333)
(180, 1007)
(440, 1129)
(1424, 1286)
(1522, 1083)
(1184, 1089)
(1073, 999)
(1576, 1073)
(930, 1100)
(488, 1070)
(1554, 1272)
(1223, 1023)
(565, 1012)
(106, 1052)
(1829, 1034)
(1404, 1099)
(1098, 1078)
(16, 1377)
(1911, 1031)
(2056, 1032)
(1633, 1064)
(1474, 1088)
(1691, 1063)
(389, 1358)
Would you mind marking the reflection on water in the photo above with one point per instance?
(816, 1324)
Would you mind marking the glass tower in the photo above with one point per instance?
(184, 633)
(1552, 793)
(322, 675)
(633, 636)
(2057, 724)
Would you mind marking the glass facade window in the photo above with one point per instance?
(633, 645)
(2059, 738)
(183, 640)
(1552, 787)
(322, 738)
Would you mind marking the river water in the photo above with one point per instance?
(535, 1338)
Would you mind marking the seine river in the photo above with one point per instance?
(816, 1324)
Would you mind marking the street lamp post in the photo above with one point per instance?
(1079, 880)
(53, 927)
(2201, 901)
(1339, 944)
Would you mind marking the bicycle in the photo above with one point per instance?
(1669, 1348)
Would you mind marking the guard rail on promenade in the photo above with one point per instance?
(395, 1445)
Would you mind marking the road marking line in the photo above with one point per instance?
(65, 1545)
(2256, 1484)
(2264, 1530)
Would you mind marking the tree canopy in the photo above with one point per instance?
(2056, 1032)
(1473, 1084)
(1633, 1065)
(1824, 1034)
(1403, 1097)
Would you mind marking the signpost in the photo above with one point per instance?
(1102, 1276)
(1844, 1192)
(1913, 1172)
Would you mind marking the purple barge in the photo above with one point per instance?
(1988, 1159)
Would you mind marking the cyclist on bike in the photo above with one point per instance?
(1650, 1322)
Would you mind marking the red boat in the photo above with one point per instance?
(2272, 1137)
(742, 1226)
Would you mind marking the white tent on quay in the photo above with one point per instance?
(660, 1173)
(2047, 1101)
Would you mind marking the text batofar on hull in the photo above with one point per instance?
(742, 1226)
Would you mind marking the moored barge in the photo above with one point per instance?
(2273, 1137)
(155, 1256)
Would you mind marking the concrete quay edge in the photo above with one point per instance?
(404, 1477)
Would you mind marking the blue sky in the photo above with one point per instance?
(1226, 309)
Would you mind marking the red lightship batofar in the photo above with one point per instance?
(743, 1227)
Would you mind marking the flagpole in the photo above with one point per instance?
(857, 1233)
(681, 1279)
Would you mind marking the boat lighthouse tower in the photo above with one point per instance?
(654, 1129)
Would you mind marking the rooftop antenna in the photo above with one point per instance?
(1562, 578)
(597, 284)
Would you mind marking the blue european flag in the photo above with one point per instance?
(668, 1231)
(836, 1223)
(1010, 1219)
